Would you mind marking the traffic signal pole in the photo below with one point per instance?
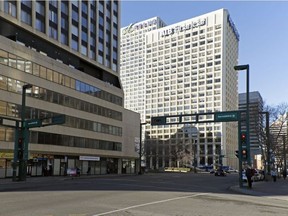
(23, 161)
(239, 68)
(240, 154)
(15, 158)
(248, 116)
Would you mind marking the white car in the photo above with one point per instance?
(258, 175)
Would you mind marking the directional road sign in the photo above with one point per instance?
(226, 116)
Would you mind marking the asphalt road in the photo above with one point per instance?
(174, 194)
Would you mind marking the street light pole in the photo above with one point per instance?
(24, 134)
(238, 68)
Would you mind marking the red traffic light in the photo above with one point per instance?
(20, 142)
(243, 138)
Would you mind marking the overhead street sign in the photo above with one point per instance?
(59, 119)
(226, 116)
(158, 120)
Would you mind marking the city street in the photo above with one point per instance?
(148, 194)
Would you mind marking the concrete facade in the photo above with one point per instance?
(99, 133)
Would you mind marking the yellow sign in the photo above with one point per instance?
(8, 155)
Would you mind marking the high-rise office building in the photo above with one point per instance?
(189, 69)
(132, 67)
(69, 52)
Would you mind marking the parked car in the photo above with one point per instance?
(205, 168)
(73, 172)
(220, 172)
(258, 175)
(228, 169)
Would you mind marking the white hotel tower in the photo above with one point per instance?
(188, 69)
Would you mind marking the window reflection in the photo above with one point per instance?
(45, 73)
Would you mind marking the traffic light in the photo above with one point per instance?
(243, 138)
(244, 154)
(20, 148)
(237, 153)
(20, 143)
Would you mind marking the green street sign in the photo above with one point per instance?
(31, 123)
(158, 120)
(60, 119)
(226, 116)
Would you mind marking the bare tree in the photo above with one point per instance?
(278, 128)
(181, 153)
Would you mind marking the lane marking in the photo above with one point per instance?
(150, 203)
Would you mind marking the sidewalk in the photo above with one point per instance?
(268, 189)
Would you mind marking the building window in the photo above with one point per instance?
(40, 26)
(26, 17)
(53, 16)
(75, 15)
(74, 30)
(83, 50)
(40, 8)
(53, 33)
(64, 23)
(10, 7)
(64, 38)
(74, 44)
(64, 7)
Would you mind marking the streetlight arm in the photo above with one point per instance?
(241, 67)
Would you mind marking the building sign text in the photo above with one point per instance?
(182, 28)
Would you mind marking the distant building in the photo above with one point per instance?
(189, 68)
(69, 52)
(256, 119)
(257, 145)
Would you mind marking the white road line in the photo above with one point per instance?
(150, 203)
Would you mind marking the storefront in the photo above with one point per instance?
(57, 165)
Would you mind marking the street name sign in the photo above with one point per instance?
(226, 116)
(32, 123)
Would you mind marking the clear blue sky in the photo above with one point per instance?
(263, 29)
